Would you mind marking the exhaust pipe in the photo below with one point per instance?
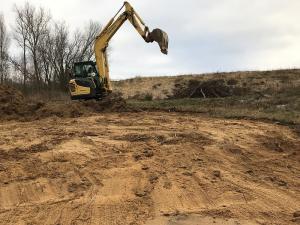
(161, 38)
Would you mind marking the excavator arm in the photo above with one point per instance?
(102, 41)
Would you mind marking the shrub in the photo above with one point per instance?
(148, 97)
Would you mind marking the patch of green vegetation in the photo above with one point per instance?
(148, 97)
(282, 107)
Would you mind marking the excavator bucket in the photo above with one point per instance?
(161, 38)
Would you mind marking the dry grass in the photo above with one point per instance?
(159, 87)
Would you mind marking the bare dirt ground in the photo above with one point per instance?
(148, 168)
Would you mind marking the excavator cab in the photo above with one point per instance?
(86, 83)
(82, 69)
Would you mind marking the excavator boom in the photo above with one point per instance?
(113, 26)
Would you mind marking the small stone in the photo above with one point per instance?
(198, 159)
(166, 213)
(249, 171)
(187, 173)
(144, 167)
(148, 153)
(89, 133)
(217, 173)
(182, 167)
(140, 193)
(175, 213)
(153, 178)
(296, 220)
(282, 183)
(137, 157)
(296, 214)
(167, 185)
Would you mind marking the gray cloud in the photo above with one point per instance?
(205, 36)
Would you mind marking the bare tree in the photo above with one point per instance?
(37, 23)
(59, 55)
(67, 52)
(21, 37)
(48, 49)
(45, 52)
(32, 26)
(82, 47)
(4, 43)
(91, 31)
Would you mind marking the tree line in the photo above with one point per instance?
(44, 49)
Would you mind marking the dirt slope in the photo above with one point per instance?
(211, 85)
(148, 168)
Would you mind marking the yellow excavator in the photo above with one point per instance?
(90, 80)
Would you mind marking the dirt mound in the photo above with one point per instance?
(11, 100)
(13, 105)
(111, 103)
(10, 95)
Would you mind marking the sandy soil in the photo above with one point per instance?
(148, 168)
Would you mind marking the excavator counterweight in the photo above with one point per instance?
(91, 79)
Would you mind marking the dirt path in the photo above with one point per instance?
(148, 168)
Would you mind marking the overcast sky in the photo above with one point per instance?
(205, 35)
